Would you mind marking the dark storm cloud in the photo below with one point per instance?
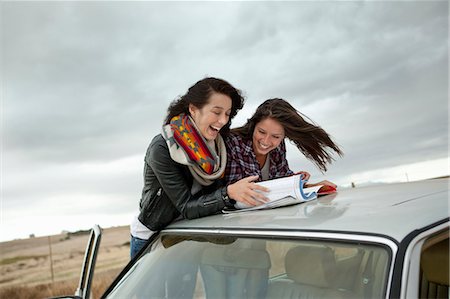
(86, 85)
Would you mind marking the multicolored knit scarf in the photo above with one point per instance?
(188, 147)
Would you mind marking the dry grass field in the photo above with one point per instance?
(26, 271)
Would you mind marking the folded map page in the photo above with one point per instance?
(283, 191)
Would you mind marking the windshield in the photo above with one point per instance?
(207, 266)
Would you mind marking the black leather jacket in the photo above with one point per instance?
(167, 190)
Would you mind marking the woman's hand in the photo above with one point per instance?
(305, 174)
(324, 183)
(246, 191)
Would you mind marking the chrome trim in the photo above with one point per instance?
(90, 258)
(299, 234)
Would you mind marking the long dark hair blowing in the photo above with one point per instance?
(198, 95)
(309, 138)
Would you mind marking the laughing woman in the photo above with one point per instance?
(258, 147)
(183, 165)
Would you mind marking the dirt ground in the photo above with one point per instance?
(26, 262)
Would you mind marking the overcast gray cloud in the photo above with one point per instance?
(86, 85)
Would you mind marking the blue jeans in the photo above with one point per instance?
(136, 244)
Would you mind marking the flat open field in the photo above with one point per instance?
(25, 263)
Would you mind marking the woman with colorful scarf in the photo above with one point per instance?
(184, 165)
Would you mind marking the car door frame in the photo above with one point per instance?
(411, 261)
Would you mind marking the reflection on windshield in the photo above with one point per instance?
(208, 266)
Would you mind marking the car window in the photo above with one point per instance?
(210, 266)
(434, 267)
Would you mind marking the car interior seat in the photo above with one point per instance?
(310, 273)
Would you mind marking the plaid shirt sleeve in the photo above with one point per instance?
(241, 161)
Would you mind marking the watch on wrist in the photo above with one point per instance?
(226, 199)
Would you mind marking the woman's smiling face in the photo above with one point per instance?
(267, 135)
(213, 116)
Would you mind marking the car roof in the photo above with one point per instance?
(392, 210)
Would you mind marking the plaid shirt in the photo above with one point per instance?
(241, 160)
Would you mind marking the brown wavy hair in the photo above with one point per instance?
(309, 138)
(198, 95)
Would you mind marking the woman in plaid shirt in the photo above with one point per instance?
(258, 147)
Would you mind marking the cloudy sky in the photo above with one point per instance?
(85, 86)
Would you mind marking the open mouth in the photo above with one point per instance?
(263, 146)
(214, 129)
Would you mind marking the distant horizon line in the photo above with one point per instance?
(86, 231)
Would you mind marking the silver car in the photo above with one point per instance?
(385, 241)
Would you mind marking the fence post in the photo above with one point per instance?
(51, 257)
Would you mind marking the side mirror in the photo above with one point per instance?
(87, 270)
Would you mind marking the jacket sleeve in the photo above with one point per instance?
(178, 189)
